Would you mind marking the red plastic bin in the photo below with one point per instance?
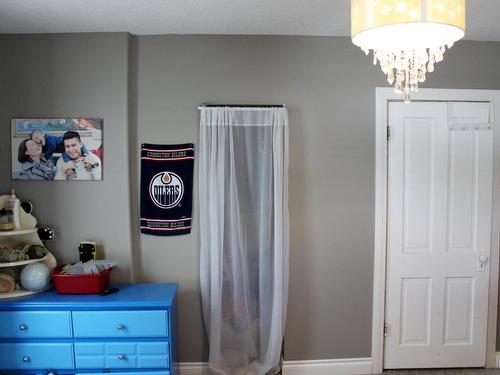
(80, 284)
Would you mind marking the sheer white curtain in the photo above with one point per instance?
(244, 236)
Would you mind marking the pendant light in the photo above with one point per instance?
(407, 37)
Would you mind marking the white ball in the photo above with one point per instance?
(35, 276)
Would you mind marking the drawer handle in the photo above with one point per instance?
(23, 327)
(26, 359)
(122, 357)
(120, 327)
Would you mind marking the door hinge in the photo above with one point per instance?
(388, 133)
(386, 329)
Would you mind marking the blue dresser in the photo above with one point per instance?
(129, 332)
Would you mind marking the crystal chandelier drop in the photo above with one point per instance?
(407, 37)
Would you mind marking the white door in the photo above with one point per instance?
(439, 234)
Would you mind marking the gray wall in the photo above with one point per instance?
(83, 76)
(329, 88)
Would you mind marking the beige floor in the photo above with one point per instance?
(444, 372)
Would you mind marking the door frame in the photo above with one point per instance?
(384, 95)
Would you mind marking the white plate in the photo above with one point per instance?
(24, 262)
(5, 233)
(22, 293)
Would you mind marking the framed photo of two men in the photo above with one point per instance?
(57, 149)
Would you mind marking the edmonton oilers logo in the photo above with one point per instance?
(166, 189)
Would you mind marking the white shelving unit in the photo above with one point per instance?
(30, 235)
(21, 293)
(10, 233)
(24, 262)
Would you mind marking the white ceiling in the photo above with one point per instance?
(269, 17)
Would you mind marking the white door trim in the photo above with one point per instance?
(383, 96)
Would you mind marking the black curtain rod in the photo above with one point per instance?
(244, 105)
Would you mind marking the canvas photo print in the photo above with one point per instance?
(57, 149)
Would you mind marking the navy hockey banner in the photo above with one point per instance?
(166, 189)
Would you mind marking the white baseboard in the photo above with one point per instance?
(194, 368)
(346, 366)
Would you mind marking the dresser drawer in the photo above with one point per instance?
(121, 355)
(114, 324)
(35, 324)
(126, 373)
(16, 356)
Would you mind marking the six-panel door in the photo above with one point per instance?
(439, 234)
